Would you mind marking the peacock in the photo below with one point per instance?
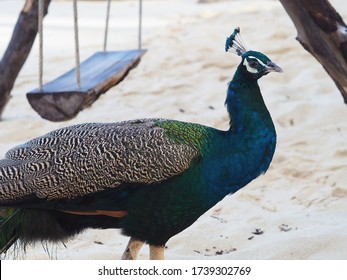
(151, 178)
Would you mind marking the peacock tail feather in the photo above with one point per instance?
(9, 221)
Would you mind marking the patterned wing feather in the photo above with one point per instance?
(82, 159)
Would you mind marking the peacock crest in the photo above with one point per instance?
(235, 44)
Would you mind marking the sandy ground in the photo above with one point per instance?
(297, 210)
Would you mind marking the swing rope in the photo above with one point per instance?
(140, 25)
(77, 51)
(76, 38)
(40, 14)
(106, 25)
(77, 47)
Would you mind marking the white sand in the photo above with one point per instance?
(300, 204)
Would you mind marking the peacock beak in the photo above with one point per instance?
(273, 67)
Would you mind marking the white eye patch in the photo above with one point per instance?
(250, 68)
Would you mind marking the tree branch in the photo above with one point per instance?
(19, 47)
(322, 32)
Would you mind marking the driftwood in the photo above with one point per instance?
(23, 37)
(322, 32)
(61, 99)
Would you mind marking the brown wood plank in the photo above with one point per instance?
(61, 99)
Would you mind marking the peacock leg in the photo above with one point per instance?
(156, 252)
(132, 249)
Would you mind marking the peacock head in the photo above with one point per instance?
(254, 64)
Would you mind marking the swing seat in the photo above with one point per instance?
(61, 99)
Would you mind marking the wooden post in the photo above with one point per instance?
(322, 32)
(18, 49)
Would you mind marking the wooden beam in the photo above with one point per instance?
(62, 100)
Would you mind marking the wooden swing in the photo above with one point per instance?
(63, 98)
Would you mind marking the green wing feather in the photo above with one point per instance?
(190, 134)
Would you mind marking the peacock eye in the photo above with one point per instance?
(253, 63)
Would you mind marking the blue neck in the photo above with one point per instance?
(245, 105)
(246, 149)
